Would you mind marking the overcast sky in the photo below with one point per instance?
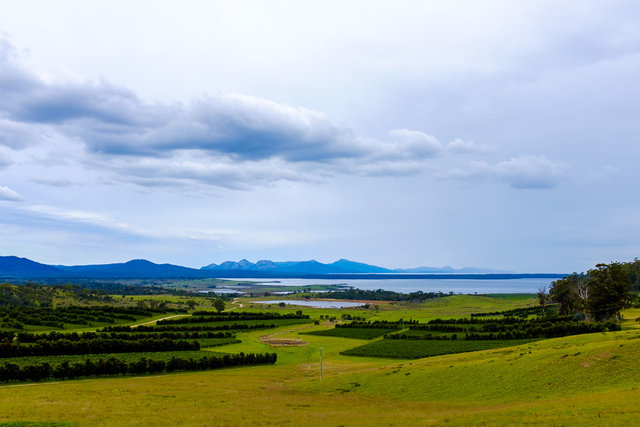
(497, 134)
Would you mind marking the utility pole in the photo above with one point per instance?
(320, 364)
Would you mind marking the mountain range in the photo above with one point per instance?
(23, 268)
(311, 267)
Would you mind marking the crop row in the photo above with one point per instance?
(502, 320)
(218, 317)
(216, 326)
(115, 366)
(133, 335)
(534, 328)
(17, 317)
(379, 324)
(358, 333)
(98, 345)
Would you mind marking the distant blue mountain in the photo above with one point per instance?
(342, 266)
(451, 270)
(13, 266)
(137, 268)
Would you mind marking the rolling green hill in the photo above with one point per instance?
(583, 379)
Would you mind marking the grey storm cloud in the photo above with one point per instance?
(228, 140)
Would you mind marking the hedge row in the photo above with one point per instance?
(533, 331)
(175, 328)
(24, 337)
(501, 321)
(56, 317)
(114, 366)
(219, 317)
(93, 346)
(377, 324)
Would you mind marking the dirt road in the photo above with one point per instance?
(154, 321)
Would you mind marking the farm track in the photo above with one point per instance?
(154, 321)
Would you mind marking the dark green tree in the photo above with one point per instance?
(610, 290)
(218, 304)
(543, 297)
(563, 292)
(571, 293)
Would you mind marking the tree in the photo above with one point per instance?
(633, 271)
(583, 290)
(563, 292)
(218, 304)
(543, 297)
(609, 291)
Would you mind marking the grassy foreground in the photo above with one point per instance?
(582, 379)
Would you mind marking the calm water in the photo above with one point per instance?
(316, 304)
(462, 286)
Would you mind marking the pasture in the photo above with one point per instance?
(590, 378)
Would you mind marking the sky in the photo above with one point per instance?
(492, 134)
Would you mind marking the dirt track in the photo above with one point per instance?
(154, 321)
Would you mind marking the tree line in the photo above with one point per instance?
(15, 317)
(379, 295)
(519, 331)
(93, 346)
(178, 328)
(377, 324)
(24, 337)
(221, 317)
(115, 366)
(514, 312)
(249, 315)
(598, 294)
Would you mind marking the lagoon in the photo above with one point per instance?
(312, 303)
(458, 286)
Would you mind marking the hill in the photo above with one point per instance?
(586, 379)
(13, 266)
(137, 268)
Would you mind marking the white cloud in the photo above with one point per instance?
(522, 172)
(227, 140)
(415, 143)
(529, 172)
(77, 216)
(8, 194)
(468, 147)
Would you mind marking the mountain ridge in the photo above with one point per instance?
(24, 268)
(342, 266)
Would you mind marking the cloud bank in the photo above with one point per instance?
(229, 140)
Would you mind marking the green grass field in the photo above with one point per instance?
(415, 349)
(358, 333)
(591, 379)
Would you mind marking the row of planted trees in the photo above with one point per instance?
(598, 294)
(93, 346)
(115, 366)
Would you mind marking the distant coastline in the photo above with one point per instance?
(234, 274)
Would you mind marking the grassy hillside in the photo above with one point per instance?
(573, 380)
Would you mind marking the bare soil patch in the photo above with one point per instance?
(282, 342)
